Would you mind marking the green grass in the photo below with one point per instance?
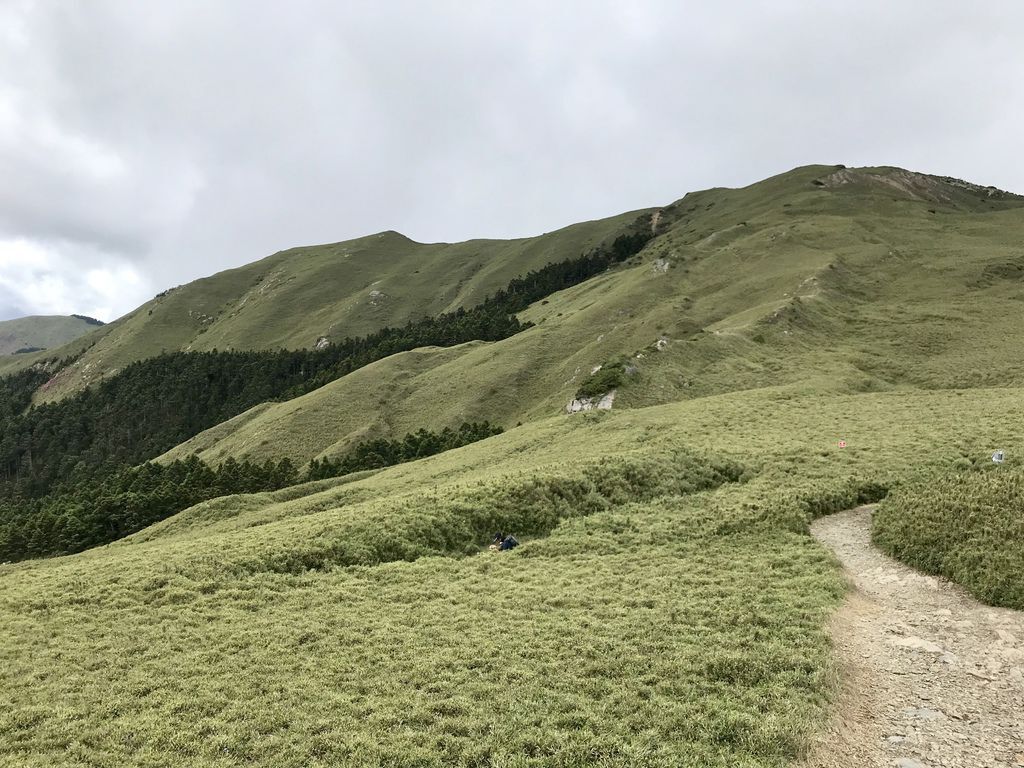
(846, 290)
(647, 619)
(967, 526)
(293, 298)
(596, 648)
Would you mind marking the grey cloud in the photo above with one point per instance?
(188, 137)
(10, 305)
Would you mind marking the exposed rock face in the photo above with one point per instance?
(604, 403)
(917, 186)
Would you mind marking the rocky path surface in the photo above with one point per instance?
(930, 677)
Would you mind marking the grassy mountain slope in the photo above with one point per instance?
(296, 297)
(42, 332)
(667, 606)
(849, 285)
(646, 620)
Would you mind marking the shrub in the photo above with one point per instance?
(450, 521)
(967, 526)
(610, 376)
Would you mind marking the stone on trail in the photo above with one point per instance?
(923, 713)
(1006, 637)
(918, 644)
(906, 762)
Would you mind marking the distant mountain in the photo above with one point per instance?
(39, 332)
(309, 296)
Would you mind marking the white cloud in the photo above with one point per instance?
(67, 279)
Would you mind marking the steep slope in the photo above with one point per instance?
(41, 332)
(296, 298)
(842, 279)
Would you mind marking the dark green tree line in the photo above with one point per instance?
(373, 454)
(84, 512)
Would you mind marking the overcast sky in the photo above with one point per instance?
(145, 144)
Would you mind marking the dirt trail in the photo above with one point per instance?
(930, 676)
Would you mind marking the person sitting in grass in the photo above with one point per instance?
(501, 542)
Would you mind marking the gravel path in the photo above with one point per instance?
(929, 676)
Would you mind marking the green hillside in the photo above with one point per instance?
(644, 620)
(297, 297)
(822, 339)
(856, 285)
(42, 332)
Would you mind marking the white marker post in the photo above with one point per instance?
(999, 457)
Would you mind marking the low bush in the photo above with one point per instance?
(454, 523)
(608, 377)
(967, 526)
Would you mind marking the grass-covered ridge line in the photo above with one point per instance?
(26, 335)
(842, 288)
(967, 526)
(295, 298)
(459, 521)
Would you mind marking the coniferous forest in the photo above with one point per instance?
(86, 511)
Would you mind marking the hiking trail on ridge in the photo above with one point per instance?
(930, 677)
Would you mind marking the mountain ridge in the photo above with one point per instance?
(298, 297)
(733, 293)
(36, 333)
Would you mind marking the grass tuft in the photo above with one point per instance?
(965, 526)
